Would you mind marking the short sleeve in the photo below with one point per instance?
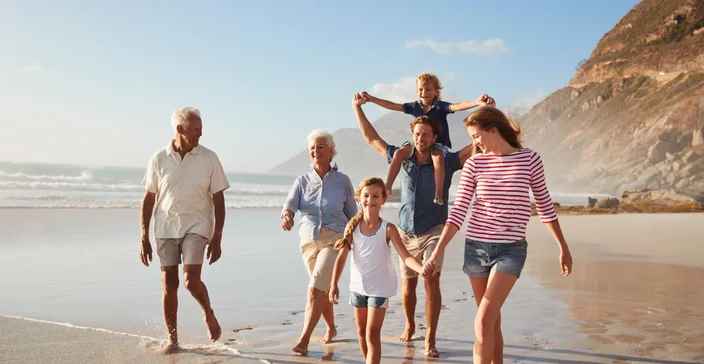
(390, 150)
(445, 107)
(218, 180)
(409, 108)
(151, 178)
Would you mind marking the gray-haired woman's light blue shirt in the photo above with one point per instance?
(327, 202)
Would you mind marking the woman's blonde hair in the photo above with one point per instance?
(431, 79)
(346, 240)
(487, 117)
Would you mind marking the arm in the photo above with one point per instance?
(546, 211)
(368, 131)
(456, 218)
(214, 245)
(291, 205)
(383, 103)
(337, 273)
(465, 153)
(350, 208)
(482, 100)
(147, 210)
(393, 236)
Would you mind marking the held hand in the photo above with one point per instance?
(287, 223)
(430, 267)
(566, 262)
(334, 294)
(367, 97)
(485, 99)
(214, 248)
(359, 99)
(145, 253)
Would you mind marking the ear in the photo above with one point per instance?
(179, 129)
(494, 131)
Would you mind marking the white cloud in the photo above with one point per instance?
(31, 68)
(527, 101)
(489, 47)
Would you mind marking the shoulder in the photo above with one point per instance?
(159, 155)
(207, 153)
(342, 176)
(391, 228)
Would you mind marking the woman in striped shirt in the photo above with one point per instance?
(500, 175)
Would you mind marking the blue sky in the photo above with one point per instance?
(94, 82)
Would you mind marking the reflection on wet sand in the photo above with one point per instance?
(631, 307)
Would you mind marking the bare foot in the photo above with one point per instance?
(214, 330)
(332, 332)
(407, 334)
(430, 350)
(301, 348)
(170, 348)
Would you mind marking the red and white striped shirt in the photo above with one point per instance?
(501, 210)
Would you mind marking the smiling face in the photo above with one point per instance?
(320, 151)
(371, 198)
(483, 139)
(190, 135)
(427, 92)
(423, 137)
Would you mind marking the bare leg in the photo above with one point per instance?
(193, 283)
(314, 308)
(329, 318)
(409, 300)
(439, 167)
(360, 317)
(375, 319)
(488, 313)
(401, 154)
(479, 288)
(169, 302)
(433, 305)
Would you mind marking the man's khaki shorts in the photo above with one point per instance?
(420, 246)
(192, 247)
(319, 257)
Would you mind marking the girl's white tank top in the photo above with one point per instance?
(372, 272)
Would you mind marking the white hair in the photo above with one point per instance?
(183, 116)
(322, 133)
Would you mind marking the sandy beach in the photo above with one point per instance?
(634, 295)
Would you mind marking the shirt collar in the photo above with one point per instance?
(333, 168)
(170, 149)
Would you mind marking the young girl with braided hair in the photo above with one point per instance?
(373, 277)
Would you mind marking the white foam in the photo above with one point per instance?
(216, 346)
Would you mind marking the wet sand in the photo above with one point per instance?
(635, 295)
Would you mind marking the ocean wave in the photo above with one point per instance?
(84, 176)
(66, 204)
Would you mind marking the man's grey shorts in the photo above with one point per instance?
(192, 247)
(480, 257)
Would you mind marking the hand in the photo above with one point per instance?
(334, 294)
(367, 97)
(145, 253)
(214, 248)
(566, 262)
(487, 100)
(287, 222)
(359, 99)
(430, 268)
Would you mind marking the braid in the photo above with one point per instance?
(346, 240)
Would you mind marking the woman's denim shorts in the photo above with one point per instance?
(480, 257)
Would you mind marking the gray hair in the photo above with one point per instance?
(322, 133)
(183, 116)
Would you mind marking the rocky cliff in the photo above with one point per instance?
(633, 115)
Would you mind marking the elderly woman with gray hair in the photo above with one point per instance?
(325, 199)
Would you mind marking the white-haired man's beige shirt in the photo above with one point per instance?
(184, 191)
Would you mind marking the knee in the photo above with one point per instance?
(484, 322)
(362, 334)
(373, 335)
(191, 283)
(169, 284)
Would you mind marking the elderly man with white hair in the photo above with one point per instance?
(185, 182)
(325, 198)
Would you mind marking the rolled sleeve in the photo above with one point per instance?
(151, 178)
(350, 208)
(293, 200)
(452, 162)
(390, 150)
(218, 180)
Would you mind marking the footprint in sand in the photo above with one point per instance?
(443, 307)
(242, 329)
(287, 323)
(460, 299)
(294, 313)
